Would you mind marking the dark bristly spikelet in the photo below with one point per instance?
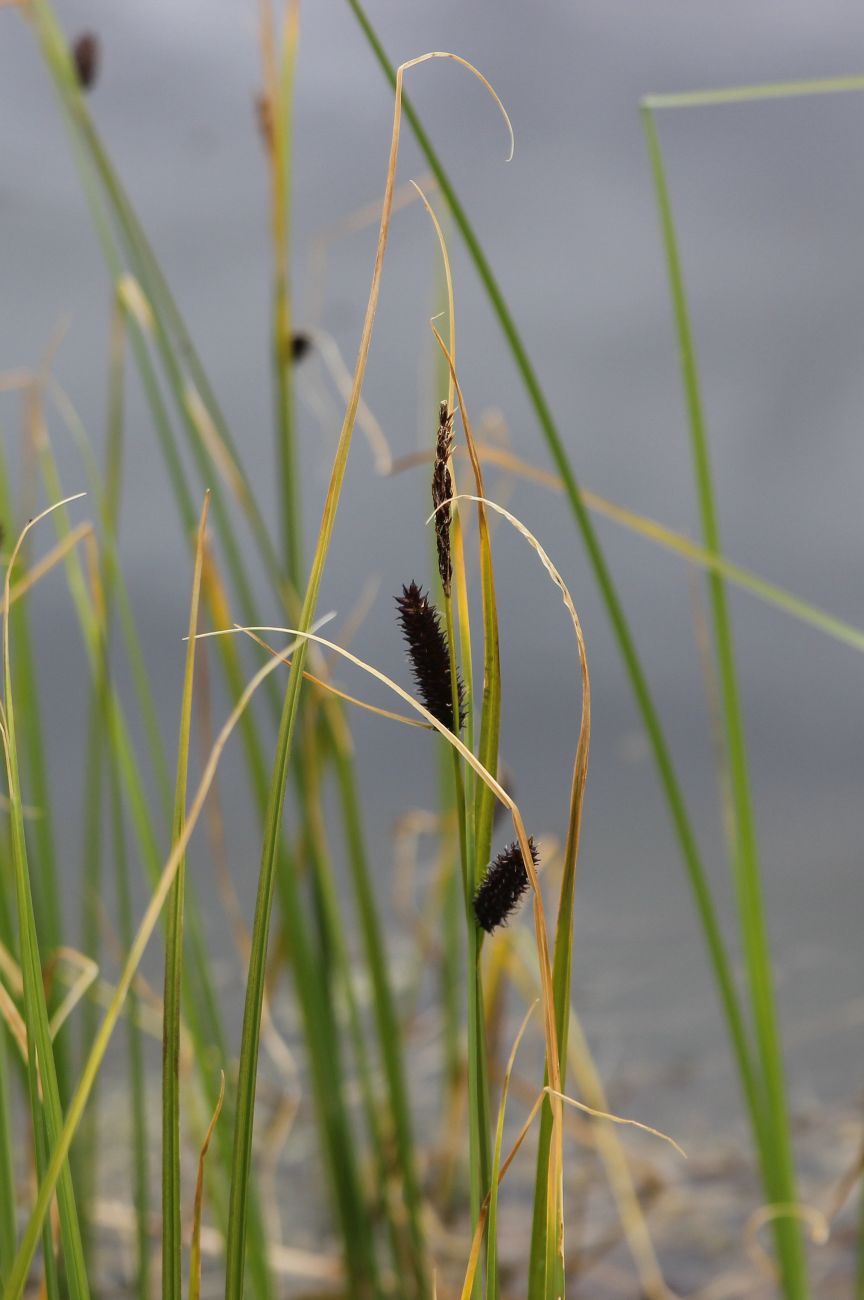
(430, 658)
(85, 56)
(502, 887)
(442, 491)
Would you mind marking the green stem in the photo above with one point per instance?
(137, 1081)
(770, 1119)
(386, 1017)
(7, 1180)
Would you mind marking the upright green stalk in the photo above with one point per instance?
(7, 1181)
(137, 1079)
(40, 832)
(87, 1146)
(479, 1136)
(85, 1153)
(235, 1254)
(201, 1007)
(111, 514)
(43, 1087)
(771, 1122)
(172, 1244)
(386, 1016)
(279, 80)
(280, 92)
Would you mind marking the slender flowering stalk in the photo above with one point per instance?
(502, 887)
(429, 655)
(442, 492)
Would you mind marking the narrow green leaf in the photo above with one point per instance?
(195, 1250)
(55, 1169)
(753, 94)
(40, 1047)
(386, 1016)
(7, 1181)
(769, 1112)
(172, 1242)
(492, 1218)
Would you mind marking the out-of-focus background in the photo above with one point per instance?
(769, 200)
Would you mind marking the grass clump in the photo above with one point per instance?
(374, 1156)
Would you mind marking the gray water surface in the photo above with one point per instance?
(769, 200)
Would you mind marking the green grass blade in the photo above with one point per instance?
(46, 893)
(267, 876)
(7, 1181)
(172, 1242)
(137, 1078)
(492, 1291)
(324, 1050)
(85, 1167)
(479, 1149)
(167, 326)
(201, 1006)
(336, 978)
(50, 1266)
(754, 94)
(562, 966)
(54, 1172)
(111, 499)
(386, 1016)
(337, 1139)
(40, 1047)
(45, 885)
(320, 1030)
(195, 1248)
(279, 81)
(317, 1014)
(773, 1134)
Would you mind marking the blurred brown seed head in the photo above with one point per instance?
(85, 56)
(264, 116)
(300, 345)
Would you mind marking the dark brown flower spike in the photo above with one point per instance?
(429, 655)
(442, 491)
(85, 56)
(502, 887)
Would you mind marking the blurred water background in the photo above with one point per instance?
(769, 199)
